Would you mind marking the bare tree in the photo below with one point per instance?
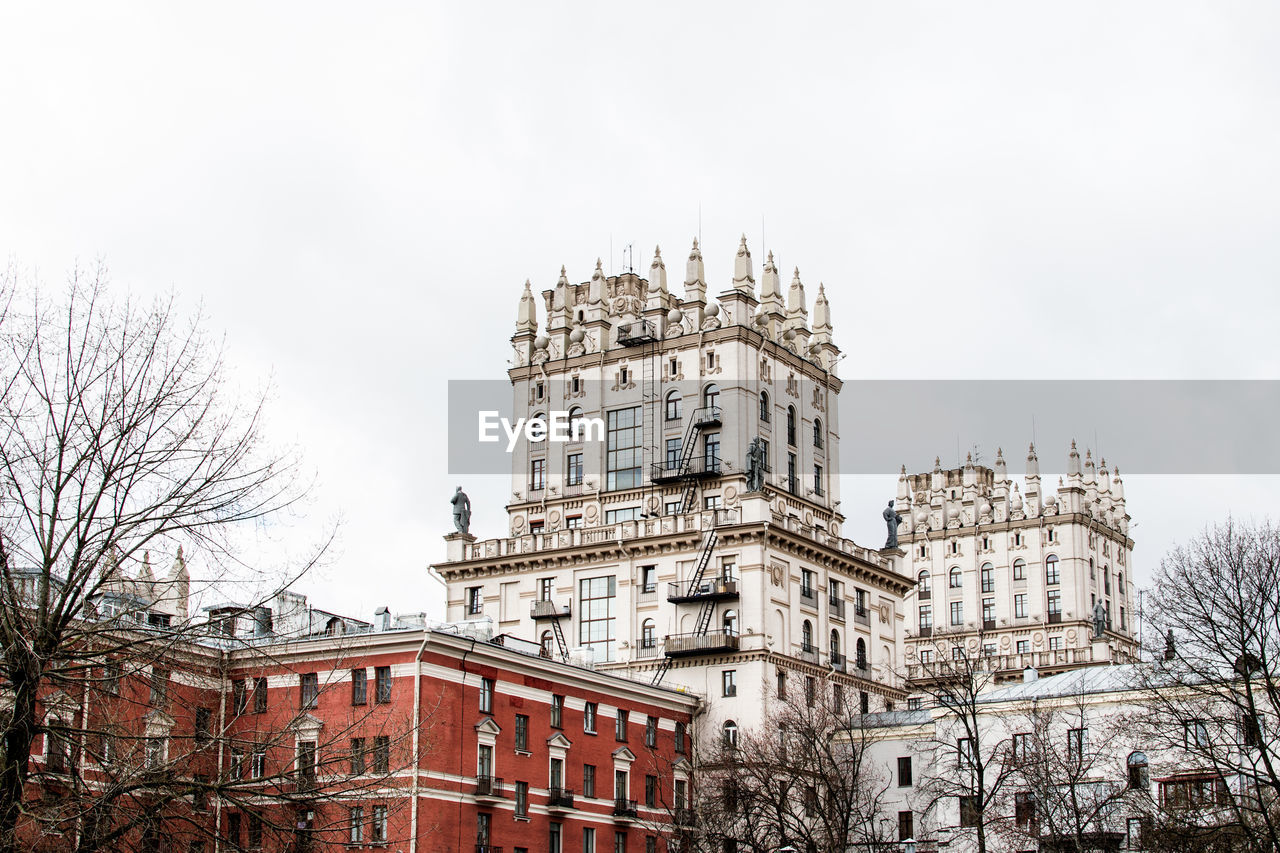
(117, 435)
(1214, 697)
(804, 778)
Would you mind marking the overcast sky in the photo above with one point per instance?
(356, 193)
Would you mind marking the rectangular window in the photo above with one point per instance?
(807, 579)
(969, 813)
(355, 820)
(926, 617)
(817, 480)
(906, 826)
(522, 733)
(650, 790)
(357, 756)
(378, 828)
(957, 613)
(589, 718)
(557, 711)
(382, 683)
(1021, 747)
(160, 687)
(619, 842)
(782, 684)
(482, 830)
(1077, 744)
(382, 754)
(651, 732)
(620, 726)
(572, 522)
(522, 799)
(711, 451)
(204, 720)
(573, 470)
(475, 603)
(904, 772)
(675, 454)
(233, 829)
(239, 697)
(1024, 811)
(988, 612)
(729, 682)
(791, 473)
(1022, 647)
(623, 448)
(988, 579)
(260, 695)
(255, 832)
(1055, 644)
(680, 738)
(537, 474)
(359, 687)
(309, 690)
(588, 839)
(597, 619)
(553, 839)
(258, 762)
(306, 761)
(486, 696)
(588, 780)
(557, 773)
(1020, 606)
(1195, 735)
(1054, 608)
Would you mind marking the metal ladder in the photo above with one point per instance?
(708, 606)
(559, 635)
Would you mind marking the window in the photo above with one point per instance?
(1019, 569)
(620, 786)
(675, 453)
(957, 613)
(966, 753)
(860, 654)
(553, 838)
(160, 687)
(255, 832)
(589, 718)
(260, 695)
(475, 604)
(791, 473)
(537, 474)
(1195, 734)
(680, 737)
(1022, 647)
(1024, 811)
(791, 425)
(1021, 747)
(572, 522)
(924, 585)
(988, 578)
(1077, 744)
(381, 754)
(711, 394)
(807, 579)
(926, 656)
(904, 771)
(711, 452)
(673, 406)
(806, 636)
(650, 791)
(258, 762)
(557, 772)
(233, 829)
(1139, 774)
(522, 799)
(926, 618)
(1133, 831)
(730, 731)
(588, 780)
(204, 720)
(235, 767)
(729, 682)
(306, 761)
(1194, 792)
(239, 698)
(597, 619)
(557, 711)
(382, 683)
(484, 761)
(309, 686)
(378, 828)
(817, 480)
(1055, 644)
(764, 406)
(486, 695)
(648, 635)
(588, 839)
(623, 448)
(355, 820)
(357, 756)
(817, 433)
(1051, 574)
(906, 826)
(537, 526)
(1020, 605)
(573, 470)
(359, 687)
(620, 726)
(969, 812)
(956, 579)
(651, 732)
(545, 643)
(522, 733)
(1054, 605)
(810, 689)
(988, 613)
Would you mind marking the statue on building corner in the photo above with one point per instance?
(461, 511)
(1099, 619)
(755, 465)
(891, 521)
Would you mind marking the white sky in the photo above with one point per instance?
(357, 192)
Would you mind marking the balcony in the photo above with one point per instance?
(487, 848)
(809, 596)
(924, 594)
(861, 615)
(624, 808)
(925, 631)
(837, 607)
(718, 589)
(698, 467)
(712, 642)
(706, 416)
(489, 787)
(1055, 618)
(550, 610)
(838, 662)
(988, 624)
(559, 798)
(646, 648)
(809, 654)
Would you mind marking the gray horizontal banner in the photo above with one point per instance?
(1218, 427)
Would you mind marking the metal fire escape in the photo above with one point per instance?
(692, 592)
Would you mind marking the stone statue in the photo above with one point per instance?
(755, 465)
(461, 511)
(1099, 619)
(891, 521)
(1170, 649)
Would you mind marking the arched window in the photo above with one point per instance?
(817, 433)
(957, 579)
(1139, 775)
(764, 406)
(730, 734)
(925, 582)
(575, 424)
(730, 622)
(791, 425)
(1051, 576)
(648, 637)
(1019, 569)
(711, 396)
(806, 636)
(545, 644)
(861, 654)
(673, 406)
(1106, 580)
(538, 435)
(835, 645)
(1120, 584)
(988, 578)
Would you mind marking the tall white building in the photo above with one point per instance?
(1013, 571)
(647, 544)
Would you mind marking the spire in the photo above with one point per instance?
(1104, 478)
(795, 297)
(821, 317)
(527, 315)
(595, 290)
(770, 287)
(742, 278)
(1001, 470)
(145, 574)
(695, 277)
(1073, 461)
(1117, 487)
(1033, 463)
(904, 489)
(657, 280)
(1089, 472)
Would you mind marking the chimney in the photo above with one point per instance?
(1029, 674)
(382, 619)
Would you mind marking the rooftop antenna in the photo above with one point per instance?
(612, 269)
(699, 223)
(629, 257)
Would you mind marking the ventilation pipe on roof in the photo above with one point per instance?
(1029, 674)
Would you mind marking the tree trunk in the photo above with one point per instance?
(18, 738)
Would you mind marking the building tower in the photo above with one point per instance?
(647, 541)
(1013, 572)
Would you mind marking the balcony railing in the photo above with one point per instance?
(924, 594)
(550, 610)
(624, 808)
(716, 589)
(1010, 663)
(809, 596)
(683, 645)
(1055, 618)
(837, 662)
(699, 466)
(487, 848)
(861, 616)
(807, 653)
(706, 416)
(489, 786)
(646, 648)
(925, 631)
(559, 798)
(837, 606)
